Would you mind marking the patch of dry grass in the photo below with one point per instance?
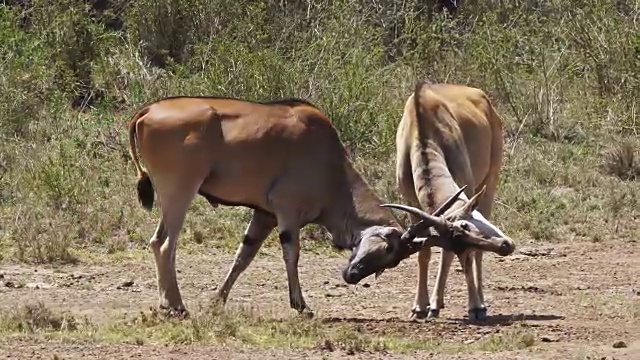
(241, 326)
(215, 324)
(601, 307)
(516, 338)
(37, 318)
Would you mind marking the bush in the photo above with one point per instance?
(565, 77)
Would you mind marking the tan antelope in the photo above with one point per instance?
(450, 140)
(283, 159)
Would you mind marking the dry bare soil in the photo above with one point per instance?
(575, 301)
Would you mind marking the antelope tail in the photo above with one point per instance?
(144, 185)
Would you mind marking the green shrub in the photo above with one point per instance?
(564, 77)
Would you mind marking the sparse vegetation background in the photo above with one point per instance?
(565, 77)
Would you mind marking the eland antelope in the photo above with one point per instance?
(449, 141)
(283, 159)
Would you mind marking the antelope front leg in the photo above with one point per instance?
(290, 242)
(437, 298)
(477, 310)
(421, 303)
(481, 311)
(257, 231)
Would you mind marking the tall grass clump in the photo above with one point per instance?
(565, 77)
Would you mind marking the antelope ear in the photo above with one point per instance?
(473, 203)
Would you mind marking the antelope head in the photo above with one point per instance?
(463, 229)
(382, 247)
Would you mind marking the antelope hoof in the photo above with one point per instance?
(219, 299)
(302, 309)
(478, 315)
(175, 313)
(305, 312)
(433, 313)
(418, 315)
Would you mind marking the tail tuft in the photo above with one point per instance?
(145, 191)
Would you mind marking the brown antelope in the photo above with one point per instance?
(448, 141)
(283, 159)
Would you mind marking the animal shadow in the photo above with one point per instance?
(495, 320)
(509, 319)
(355, 320)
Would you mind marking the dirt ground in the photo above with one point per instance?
(578, 299)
